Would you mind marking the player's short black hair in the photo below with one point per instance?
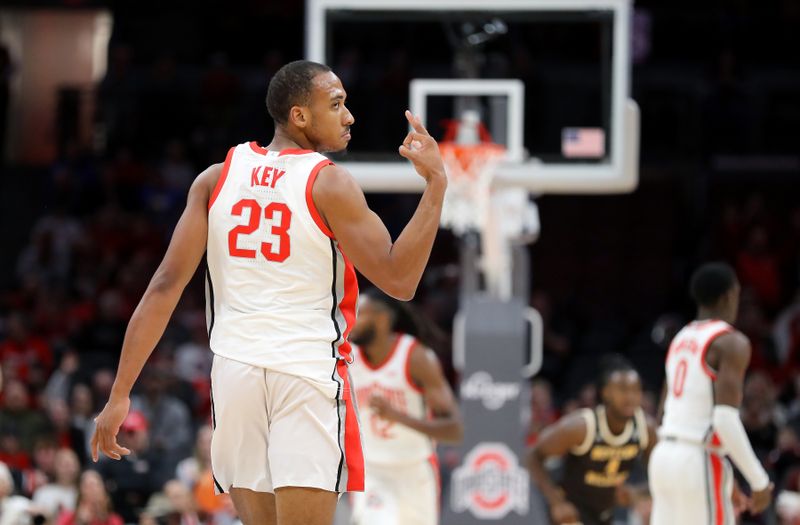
(400, 313)
(291, 86)
(407, 320)
(610, 364)
(710, 282)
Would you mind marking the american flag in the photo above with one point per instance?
(586, 143)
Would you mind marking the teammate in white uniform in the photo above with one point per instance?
(406, 406)
(275, 223)
(689, 473)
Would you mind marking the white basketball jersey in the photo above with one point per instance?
(690, 382)
(280, 293)
(386, 442)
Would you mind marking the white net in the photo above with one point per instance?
(470, 170)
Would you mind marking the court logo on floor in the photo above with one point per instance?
(490, 483)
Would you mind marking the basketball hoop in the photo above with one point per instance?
(470, 170)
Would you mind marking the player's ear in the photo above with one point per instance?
(299, 116)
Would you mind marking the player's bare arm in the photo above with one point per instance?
(395, 267)
(556, 441)
(426, 372)
(731, 355)
(151, 316)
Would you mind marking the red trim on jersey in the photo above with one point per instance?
(258, 149)
(312, 208)
(409, 379)
(386, 359)
(294, 151)
(433, 459)
(710, 372)
(716, 473)
(348, 305)
(353, 454)
(288, 151)
(221, 181)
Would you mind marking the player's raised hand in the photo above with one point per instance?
(422, 150)
(107, 423)
(761, 499)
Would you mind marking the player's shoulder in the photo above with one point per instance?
(732, 340)
(333, 178)
(418, 352)
(575, 429)
(205, 182)
(579, 421)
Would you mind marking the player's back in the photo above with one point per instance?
(690, 380)
(280, 292)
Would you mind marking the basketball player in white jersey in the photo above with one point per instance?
(690, 477)
(406, 406)
(275, 223)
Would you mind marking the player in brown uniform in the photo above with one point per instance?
(600, 447)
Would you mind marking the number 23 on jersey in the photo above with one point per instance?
(280, 217)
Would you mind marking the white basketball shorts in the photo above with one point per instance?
(690, 485)
(399, 495)
(275, 430)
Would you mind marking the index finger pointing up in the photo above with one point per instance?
(416, 123)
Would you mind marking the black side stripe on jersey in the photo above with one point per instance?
(214, 427)
(210, 301)
(213, 412)
(216, 483)
(333, 374)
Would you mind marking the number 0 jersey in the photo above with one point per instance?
(280, 294)
(689, 402)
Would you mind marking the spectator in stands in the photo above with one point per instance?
(11, 452)
(43, 469)
(757, 267)
(191, 469)
(134, 478)
(759, 414)
(169, 419)
(61, 495)
(543, 411)
(60, 382)
(16, 413)
(83, 412)
(100, 341)
(66, 433)
(185, 509)
(93, 506)
(195, 473)
(24, 356)
(786, 335)
(14, 510)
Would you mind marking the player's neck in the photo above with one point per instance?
(616, 424)
(284, 139)
(378, 350)
(705, 314)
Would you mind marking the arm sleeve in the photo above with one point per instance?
(730, 430)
